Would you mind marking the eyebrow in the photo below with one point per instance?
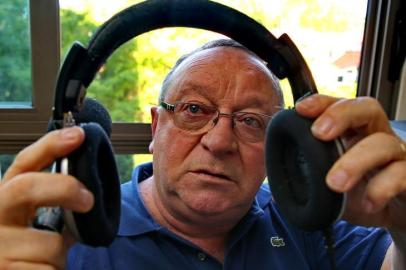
(197, 88)
(248, 103)
(255, 103)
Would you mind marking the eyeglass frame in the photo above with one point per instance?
(172, 107)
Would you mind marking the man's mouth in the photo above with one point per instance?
(213, 174)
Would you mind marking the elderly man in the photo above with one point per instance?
(202, 205)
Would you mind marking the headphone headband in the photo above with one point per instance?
(81, 65)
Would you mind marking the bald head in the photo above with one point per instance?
(221, 43)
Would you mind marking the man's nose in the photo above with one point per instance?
(221, 137)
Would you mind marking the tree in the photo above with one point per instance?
(115, 86)
(116, 83)
(330, 19)
(15, 67)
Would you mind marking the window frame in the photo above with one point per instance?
(377, 53)
(22, 126)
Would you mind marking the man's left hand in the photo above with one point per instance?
(373, 169)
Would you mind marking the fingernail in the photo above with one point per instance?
(338, 179)
(86, 199)
(322, 126)
(306, 102)
(305, 96)
(69, 134)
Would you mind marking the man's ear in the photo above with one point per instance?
(154, 116)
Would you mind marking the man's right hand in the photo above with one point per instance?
(25, 188)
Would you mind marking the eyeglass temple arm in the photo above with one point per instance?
(167, 106)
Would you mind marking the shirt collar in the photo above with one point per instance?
(136, 220)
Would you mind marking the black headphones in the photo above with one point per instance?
(296, 162)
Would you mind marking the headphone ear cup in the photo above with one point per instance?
(297, 164)
(94, 165)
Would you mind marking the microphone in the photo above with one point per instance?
(51, 218)
(94, 111)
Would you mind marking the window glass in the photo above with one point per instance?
(15, 55)
(126, 164)
(329, 34)
(5, 161)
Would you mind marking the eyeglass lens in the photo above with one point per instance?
(200, 118)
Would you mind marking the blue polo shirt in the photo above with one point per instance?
(262, 240)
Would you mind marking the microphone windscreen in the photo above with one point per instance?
(94, 111)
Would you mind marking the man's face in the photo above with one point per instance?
(215, 174)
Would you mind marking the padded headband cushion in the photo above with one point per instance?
(297, 164)
(94, 165)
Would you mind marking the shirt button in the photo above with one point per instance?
(201, 256)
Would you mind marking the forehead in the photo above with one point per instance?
(224, 73)
(228, 58)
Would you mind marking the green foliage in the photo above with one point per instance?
(116, 84)
(5, 162)
(15, 61)
(263, 11)
(330, 19)
(75, 27)
(124, 165)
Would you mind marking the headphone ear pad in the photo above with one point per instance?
(297, 164)
(94, 165)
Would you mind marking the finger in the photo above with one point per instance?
(355, 211)
(367, 155)
(33, 246)
(43, 152)
(385, 186)
(364, 114)
(20, 197)
(29, 266)
(314, 105)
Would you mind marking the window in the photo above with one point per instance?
(5, 162)
(126, 163)
(329, 34)
(24, 119)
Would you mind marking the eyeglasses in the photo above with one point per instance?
(198, 118)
